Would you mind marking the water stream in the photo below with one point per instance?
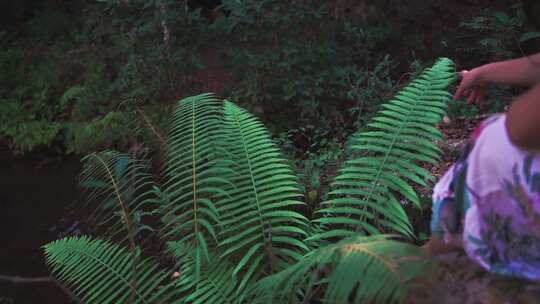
(33, 198)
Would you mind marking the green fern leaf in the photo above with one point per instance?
(119, 190)
(262, 231)
(215, 284)
(364, 195)
(360, 269)
(194, 176)
(100, 272)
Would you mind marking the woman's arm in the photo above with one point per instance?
(523, 71)
(523, 120)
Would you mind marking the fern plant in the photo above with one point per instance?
(259, 221)
(192, 181)
(215, 284)
(230, 209)
(358, 269)
(366, 194)
(107, 273)
(117, 189)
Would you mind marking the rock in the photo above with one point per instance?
(458, 280)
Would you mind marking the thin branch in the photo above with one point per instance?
(19, 279)
(164, 25)
(151, 126)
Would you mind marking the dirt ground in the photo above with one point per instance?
(457, 280)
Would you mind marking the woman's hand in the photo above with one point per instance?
(471, 86)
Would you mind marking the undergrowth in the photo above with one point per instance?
(231, 212)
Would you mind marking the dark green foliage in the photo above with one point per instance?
(260, 225)
(502, 33)
(67, 74)
(215, 283)
(366, 194)
(358, 269)
(118, 190)
(229, 207)
(278, 64)
(313, 58)
(100, 272)
(193, 181)
(68, 66)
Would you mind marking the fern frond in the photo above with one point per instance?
(364, 198)
(360, 269)
(194, 174)
(262, 231)
(215, 284)
(100, 272)
(119, 189)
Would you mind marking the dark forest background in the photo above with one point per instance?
(79, 76)
(76, 76)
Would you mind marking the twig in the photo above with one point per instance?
(19, 279)
(151, 126)
(164, 25)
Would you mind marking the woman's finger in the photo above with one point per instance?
(480, 95)
(462, 88)
(461, 92)
(462, 73)
(477, 96)
(472, 96)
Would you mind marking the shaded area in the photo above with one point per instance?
(33, 198)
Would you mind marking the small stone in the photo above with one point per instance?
(446, 120)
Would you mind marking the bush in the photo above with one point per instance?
(228, 205)
(63, 81)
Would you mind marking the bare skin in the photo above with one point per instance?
(520, 72)
(522, 118)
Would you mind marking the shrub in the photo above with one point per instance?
(230, 209)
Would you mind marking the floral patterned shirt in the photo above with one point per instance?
(489, 201)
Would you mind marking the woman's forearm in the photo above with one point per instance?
(523, 71)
